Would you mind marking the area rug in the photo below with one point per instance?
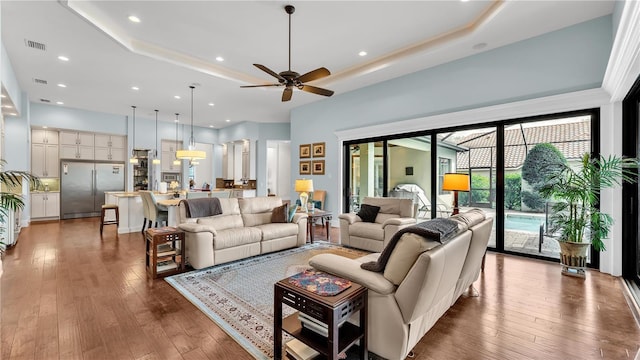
(238, 296)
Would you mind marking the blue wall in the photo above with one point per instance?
(570, 59)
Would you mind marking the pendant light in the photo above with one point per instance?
(155, 160)
(176, 161)
(191, 153)
(134, 158)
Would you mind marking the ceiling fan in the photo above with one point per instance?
(290, 79)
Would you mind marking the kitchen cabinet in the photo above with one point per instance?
(43, 136)
(109, 147)
(45, 205)
(45, 160)
(76, 145)
(76, 152)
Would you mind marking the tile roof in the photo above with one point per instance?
(572, 139)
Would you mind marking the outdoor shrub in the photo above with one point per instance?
(533, 200)
(540, 162)
(478, 194)
(512, 191)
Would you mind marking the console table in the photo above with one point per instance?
(325, 218)
(331, 310)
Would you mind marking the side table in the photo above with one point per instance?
(165, 252)
(331, 310)
(324, 216)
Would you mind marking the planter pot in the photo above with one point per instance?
(573, 257)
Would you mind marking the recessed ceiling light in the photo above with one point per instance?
(3, 96)
(134, 19)
(63, 58)
(228, 120)
(62, 85)
(13, 114)
(219, 58)
(362, 53)
(464, 0)
(211, 104)
(135, 88)
(175, 120)
(59, 103)
(7, 106)
(177, 96)
(210, 126)
(45, 127)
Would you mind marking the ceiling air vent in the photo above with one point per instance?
(45, 100)
(40, 81)
(35, 45)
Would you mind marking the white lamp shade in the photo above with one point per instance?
(191, 154)
(304, 185)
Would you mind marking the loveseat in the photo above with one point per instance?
(393, 215)
(243, 229)
(421, 280)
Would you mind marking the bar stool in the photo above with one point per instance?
(104, 222)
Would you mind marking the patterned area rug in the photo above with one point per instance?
(238, 296)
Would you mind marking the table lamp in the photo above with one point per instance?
(304, 187)
(455, 182)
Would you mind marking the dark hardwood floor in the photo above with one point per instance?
(68, 294)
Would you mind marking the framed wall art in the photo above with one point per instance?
(305, 167)
(318, 149)
(305, 151)
(318, 167)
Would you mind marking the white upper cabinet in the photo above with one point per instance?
(43, 136)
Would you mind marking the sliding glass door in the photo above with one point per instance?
(631, 192)
(502, 160)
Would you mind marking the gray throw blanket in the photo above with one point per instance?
(196, 208)
(440, 230)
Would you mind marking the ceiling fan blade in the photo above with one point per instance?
(316, 74)
(252, 86)
(270, 72)
(286, 95)
(316, 90)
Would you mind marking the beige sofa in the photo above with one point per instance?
(395, 214)
(401, 311)
(243, 229)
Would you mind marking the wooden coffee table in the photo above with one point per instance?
(331, 310)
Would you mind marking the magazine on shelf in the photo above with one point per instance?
(315, 325)
(306, 318)
(166, 265)
(298, 350)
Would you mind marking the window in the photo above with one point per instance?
(444, 167)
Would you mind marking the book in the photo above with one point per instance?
(298, 350)
(166, 265)
(324, 331)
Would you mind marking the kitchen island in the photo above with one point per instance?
(130, 207)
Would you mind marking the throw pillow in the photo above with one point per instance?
(368, 212)
(407, 250)
(292, 212)
(280, 214)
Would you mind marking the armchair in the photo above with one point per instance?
(394, 214)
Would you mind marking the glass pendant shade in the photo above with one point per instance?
(155, 160)
(133, 159)
(176, 161)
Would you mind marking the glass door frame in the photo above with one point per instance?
(499, 185)
(630, 210)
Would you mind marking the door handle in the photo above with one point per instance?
(95, 182)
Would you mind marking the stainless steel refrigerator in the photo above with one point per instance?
(82, 186)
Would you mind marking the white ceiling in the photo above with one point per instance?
(176, 43)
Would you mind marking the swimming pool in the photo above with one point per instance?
(522, 222)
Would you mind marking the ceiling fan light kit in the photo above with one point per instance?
(290, 79)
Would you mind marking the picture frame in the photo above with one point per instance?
(305, 151)
(318, 149)
(305, 167)
(317, 167)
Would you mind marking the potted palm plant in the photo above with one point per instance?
(10, 201)
(576, 218)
